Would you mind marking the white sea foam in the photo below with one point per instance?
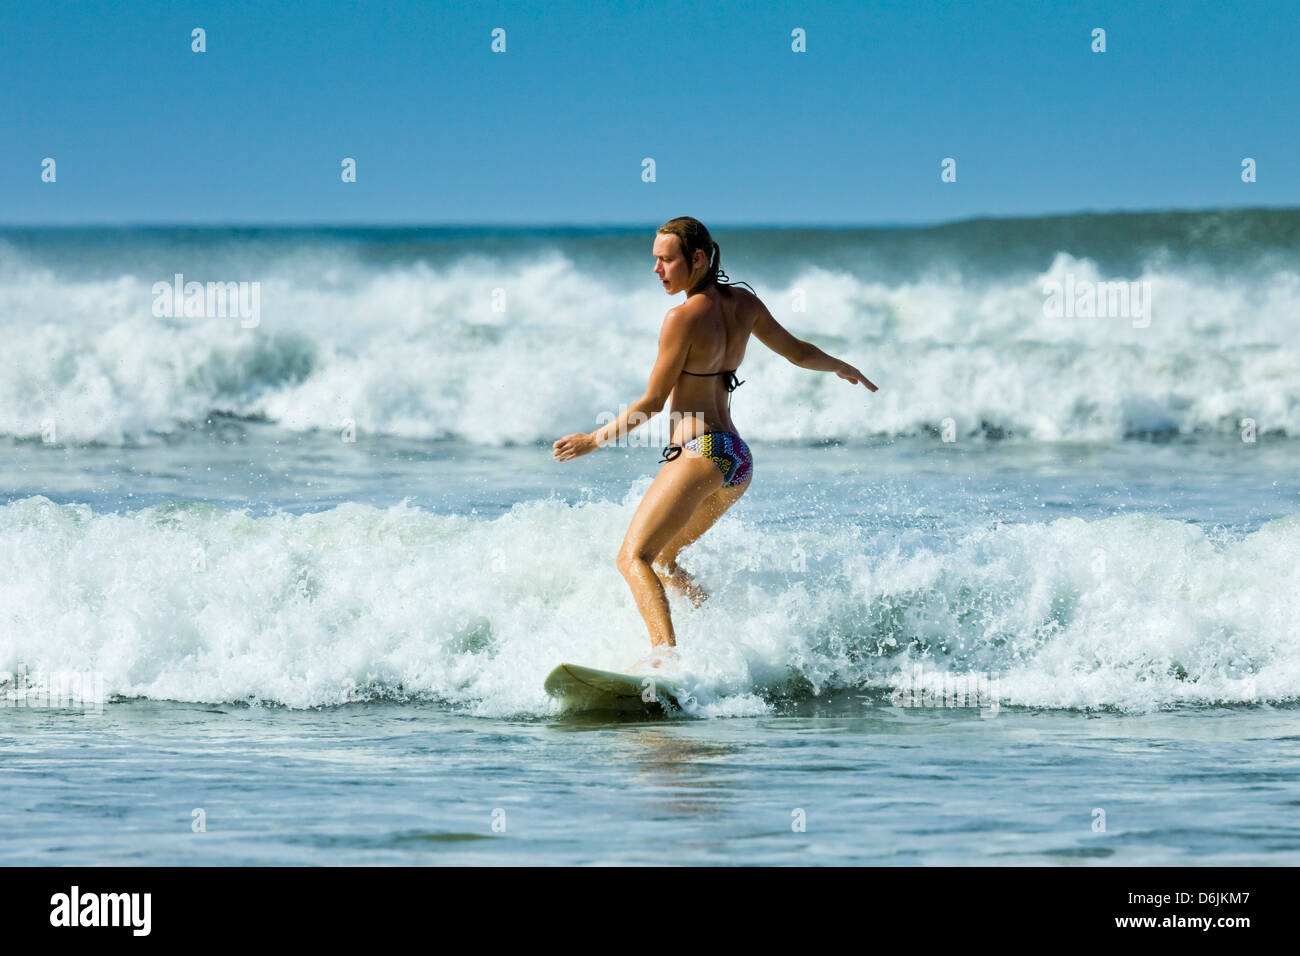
(416, 350)
(191, 602)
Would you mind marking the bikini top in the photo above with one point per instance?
(731, 382)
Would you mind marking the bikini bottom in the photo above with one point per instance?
(727, 450)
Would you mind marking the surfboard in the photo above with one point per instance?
(586, 688)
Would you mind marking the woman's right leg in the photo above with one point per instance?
(709, 511)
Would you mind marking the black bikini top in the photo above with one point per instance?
(731, 382)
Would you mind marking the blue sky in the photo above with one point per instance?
(554, 130)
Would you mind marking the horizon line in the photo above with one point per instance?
(630, 226)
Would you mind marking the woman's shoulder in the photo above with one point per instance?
(743, 294)
(747, 303)
(742, 303)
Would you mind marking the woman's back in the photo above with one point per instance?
(720, 328)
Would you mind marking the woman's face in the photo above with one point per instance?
(670, 265)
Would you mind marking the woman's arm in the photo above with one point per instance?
(674, 343)
(804, 354)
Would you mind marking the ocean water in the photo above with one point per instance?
(1037, 600)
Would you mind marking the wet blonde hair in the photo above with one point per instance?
(692, 235)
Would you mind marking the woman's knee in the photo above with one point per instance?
(629, 558)
(666, 570)
(666, 560)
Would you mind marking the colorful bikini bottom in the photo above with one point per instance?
(727, 450)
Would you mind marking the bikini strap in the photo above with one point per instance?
(732, 383)
(731, 380)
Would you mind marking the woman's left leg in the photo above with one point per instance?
(672, 574)
(679, 488)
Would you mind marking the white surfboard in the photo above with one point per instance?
(585, 688)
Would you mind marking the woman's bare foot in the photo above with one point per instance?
(680, 581)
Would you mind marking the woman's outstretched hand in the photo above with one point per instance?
(849, 373)
(573, 446)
